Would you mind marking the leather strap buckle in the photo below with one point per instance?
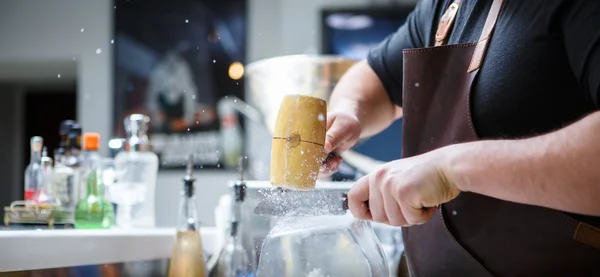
(446, 23)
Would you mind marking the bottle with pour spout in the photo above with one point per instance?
(236, 259)
(187, 258)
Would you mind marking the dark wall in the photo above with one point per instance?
(10, 141)
(24, 114)
(43, 110)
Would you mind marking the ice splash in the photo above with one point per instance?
(317, 272)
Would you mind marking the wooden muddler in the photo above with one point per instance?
(298, 140)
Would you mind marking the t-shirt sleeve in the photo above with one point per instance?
(386, 58)
(581, 31)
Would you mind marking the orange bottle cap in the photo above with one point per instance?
(91, 141)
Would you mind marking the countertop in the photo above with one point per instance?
(40, 249)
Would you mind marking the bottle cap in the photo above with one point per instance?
(65, 127)
(91, 141)
(36, 143)
(137, 123)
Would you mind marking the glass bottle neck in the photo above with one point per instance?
(188, 219)
(94, 185)
(92, 173)
(36, 156)
(138, 142)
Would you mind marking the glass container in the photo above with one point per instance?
(136, 172)
(322, 246)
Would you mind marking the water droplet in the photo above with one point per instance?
(115, 7)
(187, 21)
(98, 51)
(112, 41)
(321, 117)
(214, 61)
(202, 110)
(417, 85)
(237, 84)
(58, 76)
(193, 96)
(188, 129)
(218, 165)
(301, 152)
(234, 100)
(82, 30)
(197, 122)
(454, 212)
(74, 58)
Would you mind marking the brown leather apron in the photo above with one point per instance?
(475, 235)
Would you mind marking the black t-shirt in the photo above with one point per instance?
(540, 73)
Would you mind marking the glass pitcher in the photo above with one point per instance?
(322, 246)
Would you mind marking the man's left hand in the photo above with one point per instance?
(404, 192)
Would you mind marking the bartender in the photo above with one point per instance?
(500, 174)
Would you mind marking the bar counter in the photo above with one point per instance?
(24, 250)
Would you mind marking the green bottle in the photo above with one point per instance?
(93, 211)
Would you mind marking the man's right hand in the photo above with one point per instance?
(343, 132)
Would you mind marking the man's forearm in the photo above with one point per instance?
(361, 93)
(559, 170)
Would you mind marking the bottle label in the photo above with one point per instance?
(65, 189)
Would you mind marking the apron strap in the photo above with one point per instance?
(486, 34)
(446, 23)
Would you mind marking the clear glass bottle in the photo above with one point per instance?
(93, 211)
(74, 159)
(62, 177)
(136, 170)
(45, 196)
(33, 171)
(236, 259)
(67, 168)
(187, 258)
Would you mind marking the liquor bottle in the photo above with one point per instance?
(62, 174)
(93, 211)
(187, 258)
(33, 172)
(45, 196)
(235, 259)
(136, 169)
(67, 164)
(73, 159)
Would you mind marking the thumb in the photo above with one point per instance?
(334, 136)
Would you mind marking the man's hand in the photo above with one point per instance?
(403, 192)
(343, 131)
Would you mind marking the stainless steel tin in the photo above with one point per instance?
(270, 80)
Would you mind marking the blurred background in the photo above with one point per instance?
(95, 62)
